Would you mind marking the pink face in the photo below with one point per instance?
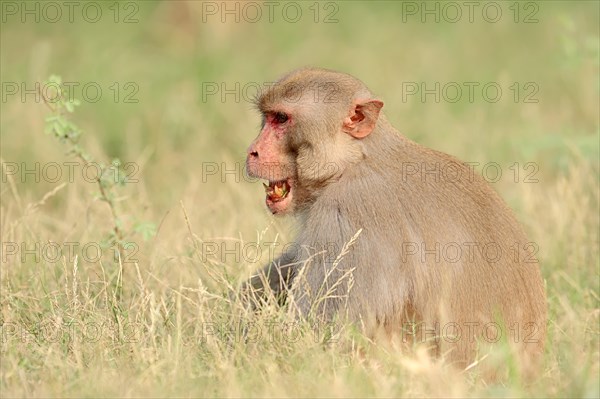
(268, 159)
(269, 156)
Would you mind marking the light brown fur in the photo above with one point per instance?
(369, 187)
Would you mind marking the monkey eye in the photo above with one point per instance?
(280, 117)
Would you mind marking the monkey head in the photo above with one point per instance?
(313, 125)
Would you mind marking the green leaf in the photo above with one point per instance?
(58, 129)
(146, 229)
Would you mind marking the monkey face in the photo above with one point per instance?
(269, 158)
(311, 133)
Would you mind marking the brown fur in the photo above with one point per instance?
(369, 188)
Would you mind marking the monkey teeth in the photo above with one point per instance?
(277, 191)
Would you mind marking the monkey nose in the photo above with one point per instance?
(253, 154)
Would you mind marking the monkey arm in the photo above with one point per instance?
(273, 279)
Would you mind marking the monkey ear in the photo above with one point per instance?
(362, 118)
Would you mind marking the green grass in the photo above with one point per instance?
(153, 316)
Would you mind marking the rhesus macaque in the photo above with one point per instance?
(392, 235)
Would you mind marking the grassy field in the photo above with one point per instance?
(165, 87)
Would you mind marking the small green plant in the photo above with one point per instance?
(110, 177)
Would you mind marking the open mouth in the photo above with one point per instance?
(278, 195)
(277, 190)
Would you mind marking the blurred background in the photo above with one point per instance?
(176, 80)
